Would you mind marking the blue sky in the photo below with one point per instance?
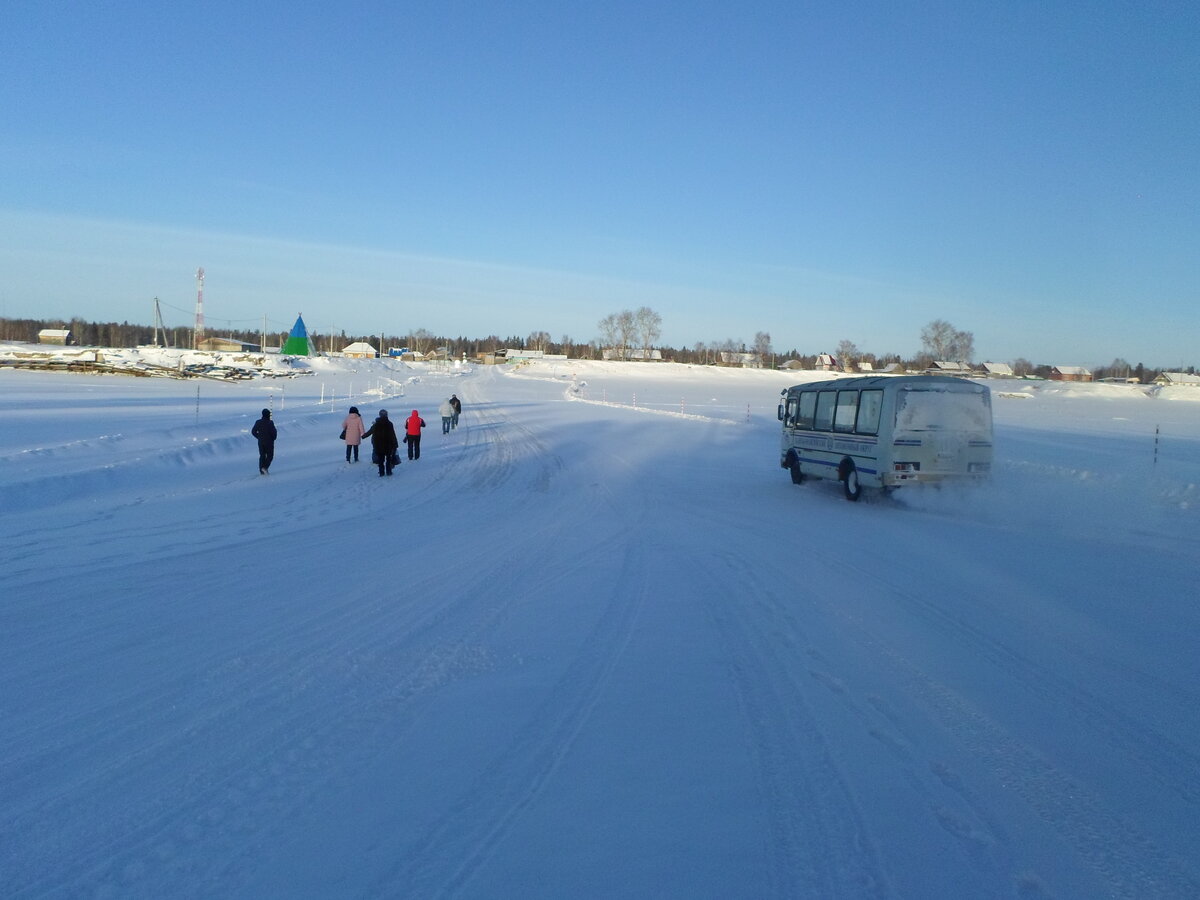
(824, 172)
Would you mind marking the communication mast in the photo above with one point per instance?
(199, 335)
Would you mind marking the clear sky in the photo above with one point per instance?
(1028, 171)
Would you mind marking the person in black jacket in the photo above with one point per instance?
(384, 445)
(264, 430)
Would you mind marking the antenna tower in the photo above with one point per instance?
(199, 335)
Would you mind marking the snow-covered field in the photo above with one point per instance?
(594, 643)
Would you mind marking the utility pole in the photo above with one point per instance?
(199, 333)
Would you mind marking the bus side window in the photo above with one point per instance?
(847, 411)
(793, 404)
(826, 401)
(808, 410)
(868, 412)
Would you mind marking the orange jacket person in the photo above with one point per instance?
(412, 434)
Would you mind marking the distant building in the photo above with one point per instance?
(630, 353)
(1070, 373)
(1177, 378)
(998, 370)
(226, 345)
(513, 354)
(949, 367)
(743, 359)
(56, 336)
(827, 362)
(360, 350)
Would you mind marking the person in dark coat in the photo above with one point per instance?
(384, 445)
(412, 434)
(457, 404)
(264, 430)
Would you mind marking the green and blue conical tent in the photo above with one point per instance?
(297, 342)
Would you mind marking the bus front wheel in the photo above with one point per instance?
(851, 484)
(794, 469)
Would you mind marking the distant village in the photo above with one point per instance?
(234, 356)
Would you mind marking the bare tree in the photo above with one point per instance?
(608, 331)
(538, 340)
(848, 353)
(940, 340)
(1022, 367)
(726, 350)
(420, 340)
(648, 326)
(626, 331)
(762, 346)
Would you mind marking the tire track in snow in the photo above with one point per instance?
(472, 829)
(291, 743)
(1122, 858)
(819, 843)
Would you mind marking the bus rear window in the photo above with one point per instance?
(940, 410)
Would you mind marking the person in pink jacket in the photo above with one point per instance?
(412, 434)
(352, 432)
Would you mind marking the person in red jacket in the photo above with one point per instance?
(412, 434)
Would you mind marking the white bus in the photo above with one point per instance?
(886, 431)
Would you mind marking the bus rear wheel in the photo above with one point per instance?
(850, 483)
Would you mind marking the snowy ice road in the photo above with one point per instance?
(587, 646)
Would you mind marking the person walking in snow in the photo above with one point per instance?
(412, 434)
(457, 404)
(264, 431)
(447, 412)
(352, 432)
(384, 446)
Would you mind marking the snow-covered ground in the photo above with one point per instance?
(594, 643)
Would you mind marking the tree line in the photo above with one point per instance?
(622, 332)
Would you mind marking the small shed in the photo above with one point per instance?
(56, 336)
(1070, 373)
(360, 350)
(998, 370)
(827, 362)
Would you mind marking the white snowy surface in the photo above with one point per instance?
(594, 643)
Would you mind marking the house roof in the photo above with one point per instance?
(1072, 370)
